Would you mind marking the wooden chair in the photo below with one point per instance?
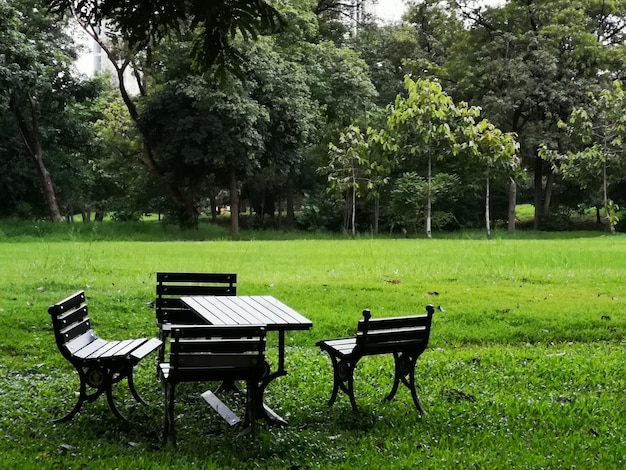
(100, 364)
(170, 286)
(404, 337)
(205, 353)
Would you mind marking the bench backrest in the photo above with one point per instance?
(208, 353)
(396, 334)
(70, 321)
(171, 286)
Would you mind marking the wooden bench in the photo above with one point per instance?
(206, 353)
(170, 286)
(404, 337)
(100, 364)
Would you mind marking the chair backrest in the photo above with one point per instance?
(208, 353)
(171, 286)
(396, 334)
(70, 321)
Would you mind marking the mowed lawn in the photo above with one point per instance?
(525, 368)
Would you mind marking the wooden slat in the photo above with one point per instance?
(146, 348)
(195, 277)
(217, 404)
(69, 302)
(88, 350)
(393, 335)
(103, 350)
(73, 315)
(81, 341)
(75, 330)
(221, 345)
(209, 331)
(395, 322)
(123, 348)
(178, 290)
(216, 361)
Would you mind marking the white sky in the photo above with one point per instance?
(389, 10)
(392, 10)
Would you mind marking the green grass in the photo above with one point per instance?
(525, 367)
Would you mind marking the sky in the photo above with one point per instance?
(392, 10)
(389, 10)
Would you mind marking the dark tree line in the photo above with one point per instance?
(240, 99)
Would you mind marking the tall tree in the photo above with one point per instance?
(422, 124)
(37, 87)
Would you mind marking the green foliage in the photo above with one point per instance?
(217, 23)
(597, 142)
(409, 199)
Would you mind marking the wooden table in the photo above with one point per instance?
(253, 310)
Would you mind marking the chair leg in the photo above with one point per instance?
(86, 376)
(405, 366)
(169, 428)
(343, 378)
(336, 381)
(253, 403)
(131, 385)
(114, 409)
(397, 377)
(82, 397)
(416, 400)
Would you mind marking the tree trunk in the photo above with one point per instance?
(353, 218)
(429, 202)
(213, 202)
(289, 190)
(30, 135)
(376, 212)
(234, 204)
(346, 212)
(548, 193)
(605, 188)
(487, 212)
(538, 200)
(512, 205)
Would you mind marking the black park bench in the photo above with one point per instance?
(100, 364)
(404, 337)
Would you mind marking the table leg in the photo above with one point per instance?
(263, 411)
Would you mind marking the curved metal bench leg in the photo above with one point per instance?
(350, 391)
(397, 377)
(114, 409)
(336, 381)
(405, 366)
(343, 378)
(131, 385)
(82, 397)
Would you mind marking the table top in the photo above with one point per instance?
(247, 310)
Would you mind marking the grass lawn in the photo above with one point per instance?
(525, 368)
